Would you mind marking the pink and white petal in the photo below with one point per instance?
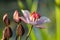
(43, 19)
(46, 19)
(24, 20)
(26, 13)
(33, 23)
(40, 26)
(27, 21)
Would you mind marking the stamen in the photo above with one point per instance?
(34, 16)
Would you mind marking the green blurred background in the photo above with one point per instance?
(44, 7)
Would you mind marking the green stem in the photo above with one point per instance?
(29, 32)
(19, 38)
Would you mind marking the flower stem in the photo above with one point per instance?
(16, 37)
(7, 38)
(19, 38)
(29, 32)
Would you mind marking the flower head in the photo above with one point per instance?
(34, 18)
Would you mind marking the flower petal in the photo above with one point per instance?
(33, 23)
(43, 19)
(27, 20)
(26, 13)
(23, 19)
(40, 26)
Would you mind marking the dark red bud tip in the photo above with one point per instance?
(16, 16)
(37, 15)
(20, 30)
(6, 20)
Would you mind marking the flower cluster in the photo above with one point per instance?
(34, 18)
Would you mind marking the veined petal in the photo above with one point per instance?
(26, 13)
(43, 19)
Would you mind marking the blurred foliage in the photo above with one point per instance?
(44, 7)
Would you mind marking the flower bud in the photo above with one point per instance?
(20, 30)
(16, 16)
(7, 32)
(6, 20)
(4, 39)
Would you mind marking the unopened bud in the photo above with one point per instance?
(20, 30)
(7, 32)
(16, 17)
(6, 20)
(4, 39)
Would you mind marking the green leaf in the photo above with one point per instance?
(29, 3)
(21, 5)
(57, 22)
(34, 5)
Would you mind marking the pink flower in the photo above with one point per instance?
(34, 19)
